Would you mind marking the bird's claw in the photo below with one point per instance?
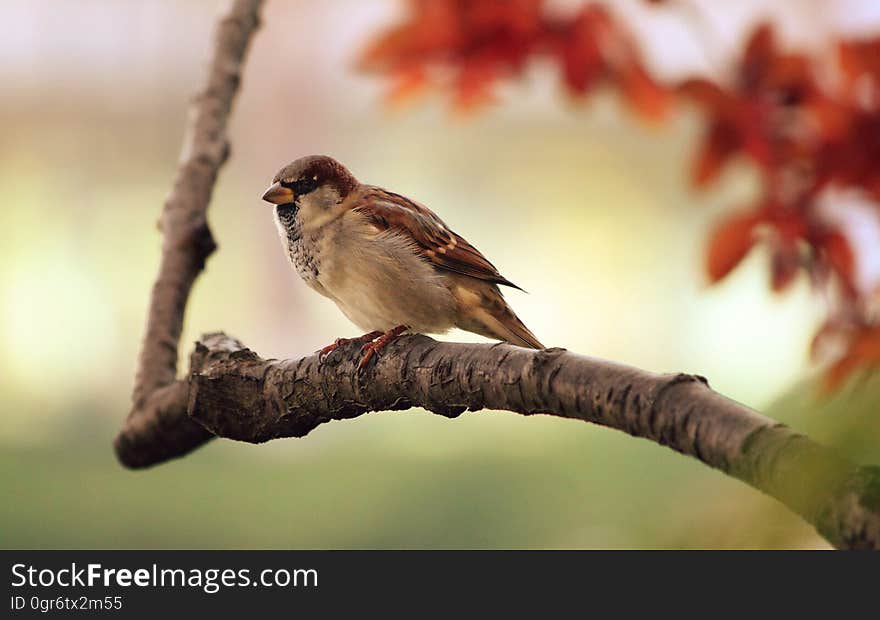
(326, 351)
(375, 346)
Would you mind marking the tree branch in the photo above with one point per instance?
(234, 393)
(187, 244)
(231, 392)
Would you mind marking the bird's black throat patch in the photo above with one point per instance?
(287, 211)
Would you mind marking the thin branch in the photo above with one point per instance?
(187, 239)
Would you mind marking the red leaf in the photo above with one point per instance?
(784, 264)
(758, 57)
(718, 147)
(434, 27)
(858, 59)
(474, 84)
(648, 98)
(407, 84)
(863, 352)
(581, 63)
(730, 243)
(840, 255)
(790, 225)
(703, 92)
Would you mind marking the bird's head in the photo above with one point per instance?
(312, 187)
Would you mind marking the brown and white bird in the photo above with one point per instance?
(388, 262)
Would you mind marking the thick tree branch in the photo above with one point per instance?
(235, 394)
(187, 242)
(231, 392)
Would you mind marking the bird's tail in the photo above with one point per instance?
(515, 332)
(491, 316)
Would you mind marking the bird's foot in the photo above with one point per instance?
(323, 353)
(375, 346)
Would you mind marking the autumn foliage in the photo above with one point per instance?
(810, 132)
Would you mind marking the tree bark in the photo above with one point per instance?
(231, 392)
(187, 245)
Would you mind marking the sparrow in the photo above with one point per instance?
(389, 263)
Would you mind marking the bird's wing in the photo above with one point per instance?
(433, 239)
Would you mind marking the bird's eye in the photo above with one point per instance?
(301, 186)
(304, 186)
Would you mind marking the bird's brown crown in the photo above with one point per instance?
(308, 173)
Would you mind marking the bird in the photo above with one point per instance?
(389, 263)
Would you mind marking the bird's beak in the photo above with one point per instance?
(278, 194)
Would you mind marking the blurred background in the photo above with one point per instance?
(588, 209)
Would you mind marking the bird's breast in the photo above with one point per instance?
(303, 249)
(376, 279)
(305, 255)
